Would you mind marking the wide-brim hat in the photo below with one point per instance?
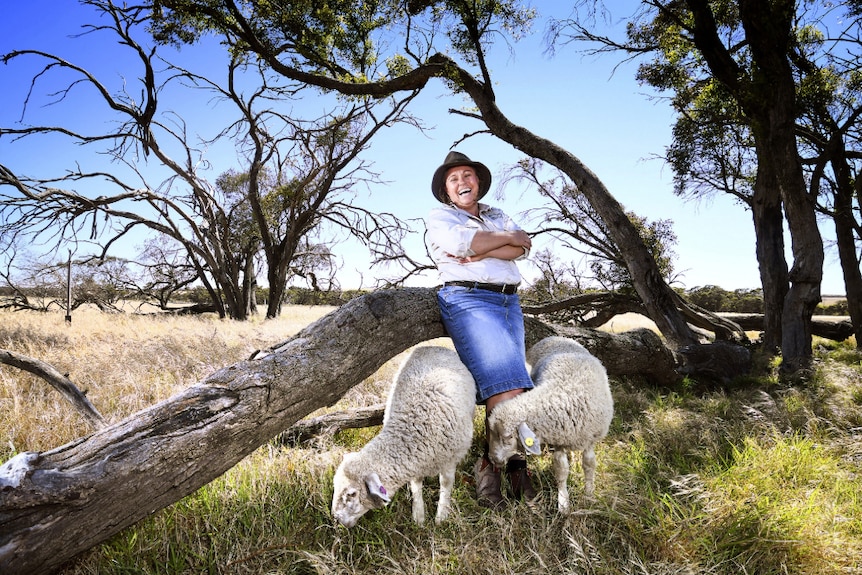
(454, 159)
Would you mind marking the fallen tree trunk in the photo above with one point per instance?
(837, 329)
(594, 309)
(59, 503)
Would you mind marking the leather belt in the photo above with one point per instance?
(507, 289)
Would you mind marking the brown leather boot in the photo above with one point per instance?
(488, 492)
(519, 480)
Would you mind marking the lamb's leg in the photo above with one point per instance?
(561, 474)
(588, 460)
(447, 481)
(418, 502)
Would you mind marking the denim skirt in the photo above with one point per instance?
(487, 329)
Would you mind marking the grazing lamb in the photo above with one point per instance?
(569, 409)
(427, 430)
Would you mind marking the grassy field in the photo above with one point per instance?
(761, 478)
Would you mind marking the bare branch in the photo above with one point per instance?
(58, 381)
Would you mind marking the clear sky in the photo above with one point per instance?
(582, 103)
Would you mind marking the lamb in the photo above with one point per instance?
(569, 409)
(427, 430)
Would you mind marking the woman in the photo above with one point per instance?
(475, 247)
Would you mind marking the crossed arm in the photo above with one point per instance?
(501, 245)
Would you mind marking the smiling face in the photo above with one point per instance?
(462, 188)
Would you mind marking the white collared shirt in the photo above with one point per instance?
(451, 231)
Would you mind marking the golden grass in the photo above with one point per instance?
(123, 362)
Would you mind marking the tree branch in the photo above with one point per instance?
(58, 381)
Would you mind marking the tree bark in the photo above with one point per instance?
(331, 423)
(774, 130)
(769, 239)
(59, 503)
(845, 237)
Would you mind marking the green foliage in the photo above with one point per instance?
(198, 295)
(304, 296)
(658, 237)
(716, 299)
(342, 39)
(322, 36)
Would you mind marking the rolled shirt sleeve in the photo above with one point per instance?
(452, 234)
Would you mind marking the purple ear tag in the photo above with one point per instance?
(383, 490)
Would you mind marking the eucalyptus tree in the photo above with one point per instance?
(733, 68)
(165, 270)
(385, 47)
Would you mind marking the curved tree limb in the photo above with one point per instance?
(58, 381)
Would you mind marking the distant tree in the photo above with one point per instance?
(220, 226)
(717, 299)
(557, 279)
(23, 284)
(104, 282)
(165, 270)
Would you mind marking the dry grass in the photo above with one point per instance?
(123, 362)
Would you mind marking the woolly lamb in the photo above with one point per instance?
(427, 430)
(569, 409)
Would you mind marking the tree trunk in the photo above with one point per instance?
(769, 237)
(277, 276)
(59, 503)
(846, 240)
(835, 329)
(766, 93)
(768, 28)
(56, 504)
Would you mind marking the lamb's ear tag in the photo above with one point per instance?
(376, 490)
(529, 440)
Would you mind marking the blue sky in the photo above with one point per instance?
(582, 103)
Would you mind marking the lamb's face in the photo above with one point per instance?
(502, 441)
(353, 496)
(347, 500)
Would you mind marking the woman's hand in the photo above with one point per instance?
(521, 239)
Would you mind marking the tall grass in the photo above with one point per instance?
(760, 477)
